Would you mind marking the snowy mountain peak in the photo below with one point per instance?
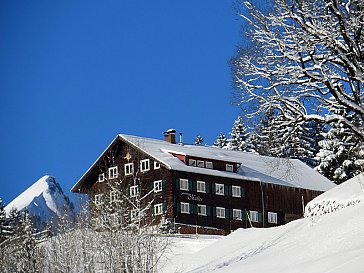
(44, 199)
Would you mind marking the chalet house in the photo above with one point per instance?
(205, 189)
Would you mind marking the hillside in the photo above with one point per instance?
(330, 239)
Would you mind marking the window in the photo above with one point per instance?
(200, 164)
(236, 191)
(101, 177)
(219, 189)
(158, 209)
(229, 168)
(158, 186)
(254, 216)
(183, 184)
(133, 214)
(113, 196)
(134, 191)
(129, 168)
(220, 212)
(157, 165)
(272, 217)
(185, 208)
(192, 162)
(98, 199)
(144, 165)
(201, 186)
(209, 165)
(201, 210)
(113, 172)
(237, 214)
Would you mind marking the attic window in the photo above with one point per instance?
(192, 162)
(113, 172)
(157, 165)
(144, 165)
(200, 163)
(101, 177)
(229, 168)
(209, 165)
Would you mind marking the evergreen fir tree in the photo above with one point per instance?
(221, 141)
(238, 136)
(198, 140)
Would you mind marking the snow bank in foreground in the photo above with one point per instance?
(347, 194)
(330, 243)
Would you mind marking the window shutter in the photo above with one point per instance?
(177, 184)
(194, 186)
(260, 217)
(242, 191)
(178, 207)
(164, 183)
(164, 207)
(213, 188)
(190, 185)
(207, 185)
(191, 208)
(128, 191)
(208, 210)
(228, 213)
(227, 190)
(214, 211)
(245, 215)
(150, 186)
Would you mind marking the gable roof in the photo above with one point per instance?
(253, 167)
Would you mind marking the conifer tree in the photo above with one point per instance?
(238, 136)
(221, 141)
(199, 140)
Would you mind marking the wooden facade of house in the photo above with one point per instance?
(198, 192)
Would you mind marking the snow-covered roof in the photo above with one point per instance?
(253, 167)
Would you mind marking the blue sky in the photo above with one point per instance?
(73, 74)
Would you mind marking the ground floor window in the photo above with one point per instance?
(272, 217)
(201, 209)
(185, 207)
(220, 212)
(254, 216)
(158, 209)
(237, 214)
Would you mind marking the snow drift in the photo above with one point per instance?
(328, 240)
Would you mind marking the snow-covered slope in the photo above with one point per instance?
(44, 199)
(331, 242)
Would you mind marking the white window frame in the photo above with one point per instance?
(113, 172)
(185, 208)
(158, 209)
(254, 216)
(236, 191)
(272, 217)
(200, 164)
(145, 165)
(133, 214)
(158, 186)
(102, 177)
(229, 168)
(192, 162)
(237, 214)
(134, 191)
(181, 185)
(219, 189)
(113, 196)
(209, 165)
(157, 165)
(220, 212)
(129, 168)
(201, 210)
(97, 199)
(201, 186)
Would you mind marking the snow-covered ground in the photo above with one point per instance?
(328, 240)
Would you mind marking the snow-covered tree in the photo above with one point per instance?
(341, 154)
(199, 140)
(221, 141)
(238, 136)
(305, 60)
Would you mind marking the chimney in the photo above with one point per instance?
(170, 136)
(180, 139)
